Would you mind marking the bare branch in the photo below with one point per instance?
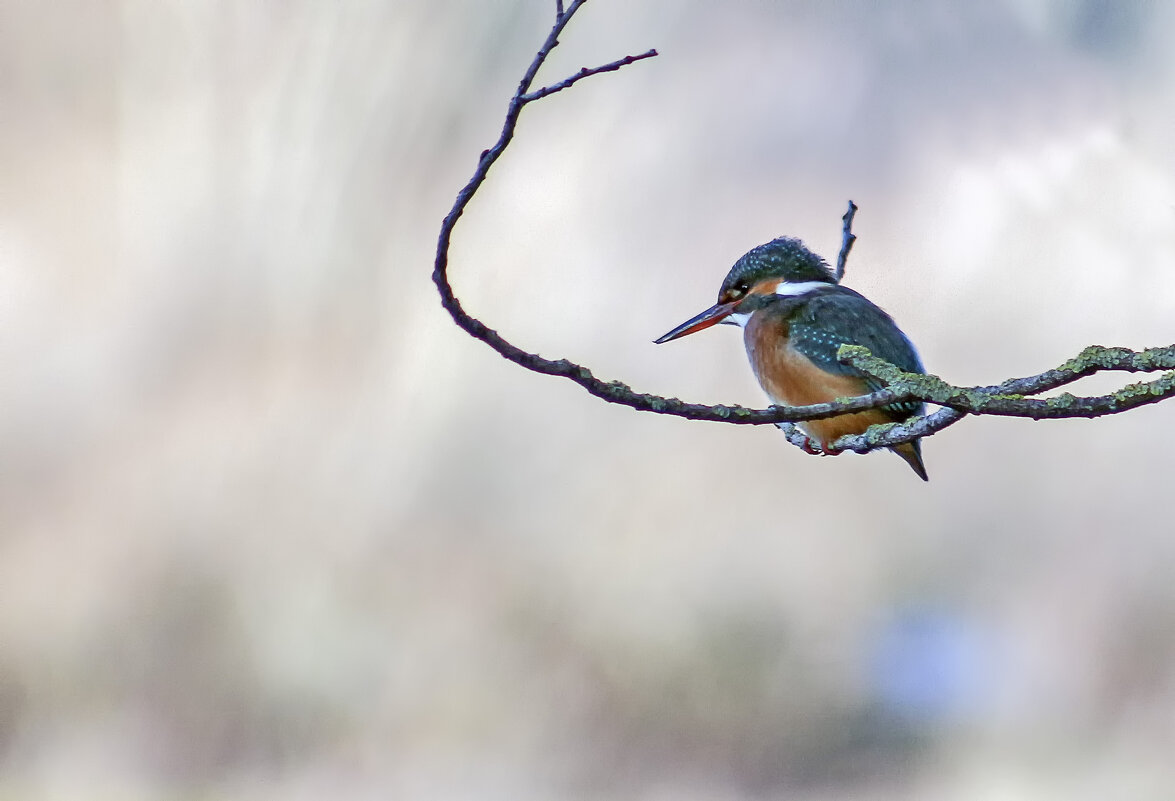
(847, 240)
(1007, 398)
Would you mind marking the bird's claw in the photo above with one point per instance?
(801, 440)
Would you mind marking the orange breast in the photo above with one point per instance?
(791, 379)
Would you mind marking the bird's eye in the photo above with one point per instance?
(736, 292)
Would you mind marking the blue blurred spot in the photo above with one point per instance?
(928, 664)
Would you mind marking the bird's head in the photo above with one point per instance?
(783, 266)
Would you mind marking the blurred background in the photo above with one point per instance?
(271, 527)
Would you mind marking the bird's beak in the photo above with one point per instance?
(711, 316)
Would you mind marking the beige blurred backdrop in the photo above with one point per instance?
(271, 527)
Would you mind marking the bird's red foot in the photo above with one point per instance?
(801, 440)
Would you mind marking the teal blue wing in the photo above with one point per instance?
(843, 317)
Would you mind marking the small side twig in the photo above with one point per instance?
(585, 72)
(847, 240)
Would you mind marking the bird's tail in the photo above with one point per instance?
(912, 453)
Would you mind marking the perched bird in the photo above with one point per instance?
(795, 316)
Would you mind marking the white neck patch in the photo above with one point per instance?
(793, 288)
(737, 318)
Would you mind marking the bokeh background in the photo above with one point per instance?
(271, 527)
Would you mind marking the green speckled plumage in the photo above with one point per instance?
(822, 321)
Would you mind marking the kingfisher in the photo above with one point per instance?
(795, 315)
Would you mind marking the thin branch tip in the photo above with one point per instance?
(585, 72)
(847, 240)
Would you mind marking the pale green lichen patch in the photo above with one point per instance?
(1160, 387)
(927, 387)
(876, 433)
(1094, 356)
(873, 437)
(1063, 401)
(1156, 358)
(861, 358)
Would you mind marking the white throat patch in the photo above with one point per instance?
(737, 318)
(793, 288)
